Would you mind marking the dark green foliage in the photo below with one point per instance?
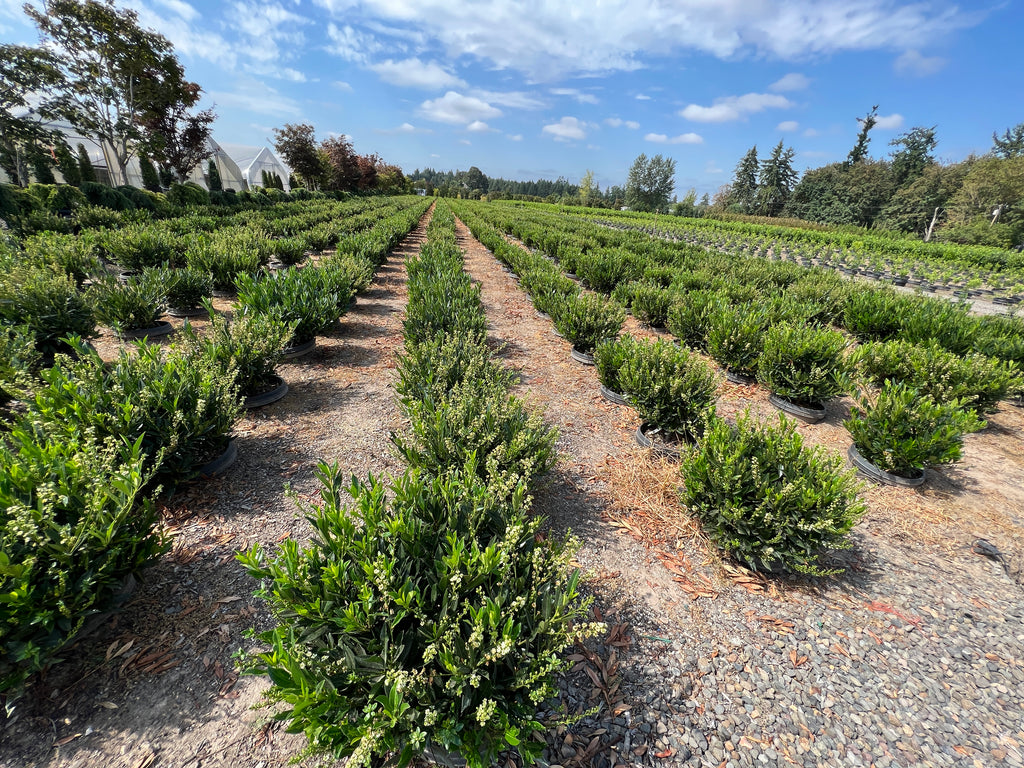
(85, 170)
(735, 337)
(213, 176)
(949, 325)
(766, 499)
(288, 250)
(979, 382)
(138, 248)
(602, 270)
(427, 615)
(249, 343)
(903, 431)
(73, 524)
(588, 319)
(132, 305)
(185, 288)
(102, 195)
(71, 254)
(872, 314)
(428, 370)
(42, 168)
(150, 179)
(689, 317)
(609, 357)
(180, 406)
(803, 364)
(48, 304)
(671, 389)
(294, 296)
(226, 263)
(650, 304)
(67, 165)
(188, 193)
(823, 293)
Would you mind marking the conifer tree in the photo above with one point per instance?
(150, 179)
(85, 169)
(213, 174)
(776, 181)
(744, 185)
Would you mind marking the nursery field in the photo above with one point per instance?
(752, 603)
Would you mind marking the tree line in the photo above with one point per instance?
(979, 200)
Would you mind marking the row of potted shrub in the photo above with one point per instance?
(90, 443)
(761, 495)
(424, 619)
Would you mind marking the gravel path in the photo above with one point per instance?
(914, 657)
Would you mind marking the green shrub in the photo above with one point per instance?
(180, 406)
(433, 617)
(107, 197)
(358, 269)
(292, 295)
(609, 357)
(135, 304)
(73, 524)
(48, 304)
(96, 216)
(136, 249)
(688, 317)
(442, 300)
(70, 253)
(977, 381)
(735, 337)
(873, 314)
(188, 193)
(826, 293)
(902, 431)
(249, 343)
(602, 270)
(588, 319)
(288, 250)
(548, 289)
(226, 265)
(478, 421)
(65, 198)
(768, 501)
(429, 369)
(186, 288)
(803, 364)
(18, 358)
(650, 304)
(672, 389)
(940, 321)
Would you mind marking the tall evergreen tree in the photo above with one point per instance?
(85, 169)
(860, 149)
(42, 167)
(213, 174)
(744, 185)
(67, 164)
(1011, 144)
(150, 179)
(916, 154)
(776, 181)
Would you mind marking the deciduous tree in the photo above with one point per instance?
(26, 109)
(650, 183)
(296, 145)
(174, 135)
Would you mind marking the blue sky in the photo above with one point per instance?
(545, 89)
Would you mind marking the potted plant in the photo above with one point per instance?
(766, 499)
(899, 432)
(689, 315)
(803, 366)
(48, 304)
(132, 308)
(650, 303)
(287, 252)
(185, 289)
(251, 344)
(671, 389)
(735, 339)
(609, 356)
(586, 320)
(294, 296)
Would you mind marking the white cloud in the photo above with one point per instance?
(728, 108)
(467, 142)
(711, 168)
(456, 109)
(889, 122)
(352, 44)
(548, 40)
(182, 9)
(810, 133)
(479, 126)
(404, 128)
(794, 81)
(581, 96)
(510, 99)
(642, 97)
(913, 64)
(683, 138)
(787, 126)
(258, 97)
(434, 154)
(413, 73)
(341, 85)
(567, 129)
(188, 40)
(515, 137)
(618, 122)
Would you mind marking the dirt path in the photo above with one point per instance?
(155, 685)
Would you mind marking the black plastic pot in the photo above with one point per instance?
(162, 328)
(542, 315)
(667, 449)
(581, 357)
(290, 353)
(613, 397)
(810, 415)
(222, 462)
(739, 378)
(183, 312)
(872, 472)
(277, 390)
